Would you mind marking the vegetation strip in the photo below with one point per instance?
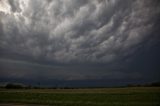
(145, 96)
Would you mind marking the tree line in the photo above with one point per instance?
(22, 86)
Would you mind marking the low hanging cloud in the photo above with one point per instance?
(86, 30)
(76, 31)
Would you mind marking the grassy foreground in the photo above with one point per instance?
(142, 96)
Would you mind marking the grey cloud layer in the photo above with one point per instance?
(76, 30)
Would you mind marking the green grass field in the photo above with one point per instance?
(142, 96)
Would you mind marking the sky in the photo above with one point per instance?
(80, 42)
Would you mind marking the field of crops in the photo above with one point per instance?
(142, 96)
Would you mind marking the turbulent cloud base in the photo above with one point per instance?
(77, 31)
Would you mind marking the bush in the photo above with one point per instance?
(13, 86)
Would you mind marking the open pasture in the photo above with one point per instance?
(138, 96)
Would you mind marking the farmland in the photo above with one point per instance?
(131, 96)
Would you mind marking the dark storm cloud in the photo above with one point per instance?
(79, 32)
